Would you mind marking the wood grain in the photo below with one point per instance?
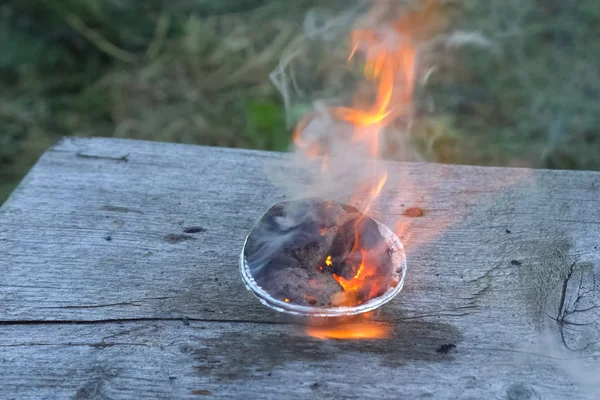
(116, 241)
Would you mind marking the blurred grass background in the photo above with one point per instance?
(525, 91)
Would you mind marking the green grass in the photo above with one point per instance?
(519, 87)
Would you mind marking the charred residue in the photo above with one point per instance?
(310, 251)
(194, 229)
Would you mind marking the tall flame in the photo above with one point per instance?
(384, 95)
(388, 52)
(392, 70)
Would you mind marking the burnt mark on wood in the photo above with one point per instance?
(124, 158)
(175, 238)
(445, 348)
(237, 355)
(194, 229)
(123, 210)
(414, 212)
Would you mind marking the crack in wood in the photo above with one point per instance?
(564, 313)
(97, 345)
(124, 158)
(561, 304)
(133, 304)
(124, 320)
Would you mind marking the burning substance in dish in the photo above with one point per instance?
(322, 258)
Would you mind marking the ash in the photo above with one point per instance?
(299, 247)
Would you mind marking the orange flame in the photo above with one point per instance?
(389, 68)
(393, 70)
(350, 328)
(389, 72)
(351, 331)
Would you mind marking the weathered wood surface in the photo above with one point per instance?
(104, 295)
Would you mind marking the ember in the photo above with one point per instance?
(326, 254)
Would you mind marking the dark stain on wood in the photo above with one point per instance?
(445, 348)
(194, 229)
(237, 355)
(414, 212)
(201, 392)
(175, 238)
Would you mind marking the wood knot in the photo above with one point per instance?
(575, 311)
(521, 391)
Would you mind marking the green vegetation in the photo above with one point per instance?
(519, 84)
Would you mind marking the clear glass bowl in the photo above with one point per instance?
(398, 272)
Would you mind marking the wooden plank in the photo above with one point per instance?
(504, 263)
(250, 360)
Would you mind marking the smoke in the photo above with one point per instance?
(348, 85)
(314, 77)
(311, 71)
(584, 370)
(339, 108)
